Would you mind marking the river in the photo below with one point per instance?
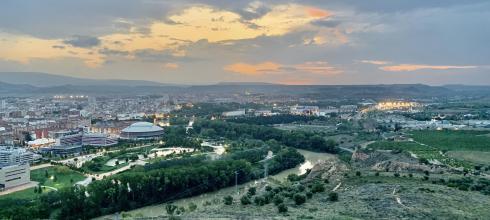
(311, 159)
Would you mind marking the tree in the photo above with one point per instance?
(333, 196)
(281, 208)
(228, 200)
(299, 199)
(245, 200)
(259, 200)
(252, 191)
(318, 187)
(170, 208)
(277, 199)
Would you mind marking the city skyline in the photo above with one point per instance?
(280, 41)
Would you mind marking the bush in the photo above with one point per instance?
(228, 200)
(245, 200)
(281, 208)
(426, 178)
(293, 177)
(318, 187)
(252, 191)
(192, 207)
(333, 196)
(268, 188)
(277, 200)
(423, 160)
(358, 173)
(309, 195)
(396, 175)
(170, 208)
(410, 175)
(376, 174)
(259, 200)
(299, 199)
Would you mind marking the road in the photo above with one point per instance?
(40, 166)
(19, 188)
(80, 160)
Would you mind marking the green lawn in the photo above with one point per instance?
(56, 176)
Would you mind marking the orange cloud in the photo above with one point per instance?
(260, 69)
(253, 69)
(414, 67)
(317, 13)
(187, 26)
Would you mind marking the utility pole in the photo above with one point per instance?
(236, 182)
(266, 166)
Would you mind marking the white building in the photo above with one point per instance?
(11, 156)
(305, 110)
(348, 108)
(14, 175)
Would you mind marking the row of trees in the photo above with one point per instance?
(295, 138)
(276, 119)
(154, 183)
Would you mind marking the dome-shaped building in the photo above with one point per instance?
(141, 130)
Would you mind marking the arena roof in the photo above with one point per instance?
(142, 127)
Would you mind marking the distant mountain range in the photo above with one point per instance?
(49, 80)
(28, 84)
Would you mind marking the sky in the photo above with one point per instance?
(278, 41)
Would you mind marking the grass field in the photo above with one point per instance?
(421, 151)
(57, 177)
(454, 140)
(472, 156)
(453, 148)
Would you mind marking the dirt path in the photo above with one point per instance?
(397, 198)
(336, 187)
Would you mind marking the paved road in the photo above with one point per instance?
(19, 188)
(40, 166)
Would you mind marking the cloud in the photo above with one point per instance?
(375, 62)
(268, 67)
(168, 38)
(318, 67)
(415, 67)
(82, 41)
(253, 69)
(171, 66)
(58, 47)
(23, 49)
(329, 23)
